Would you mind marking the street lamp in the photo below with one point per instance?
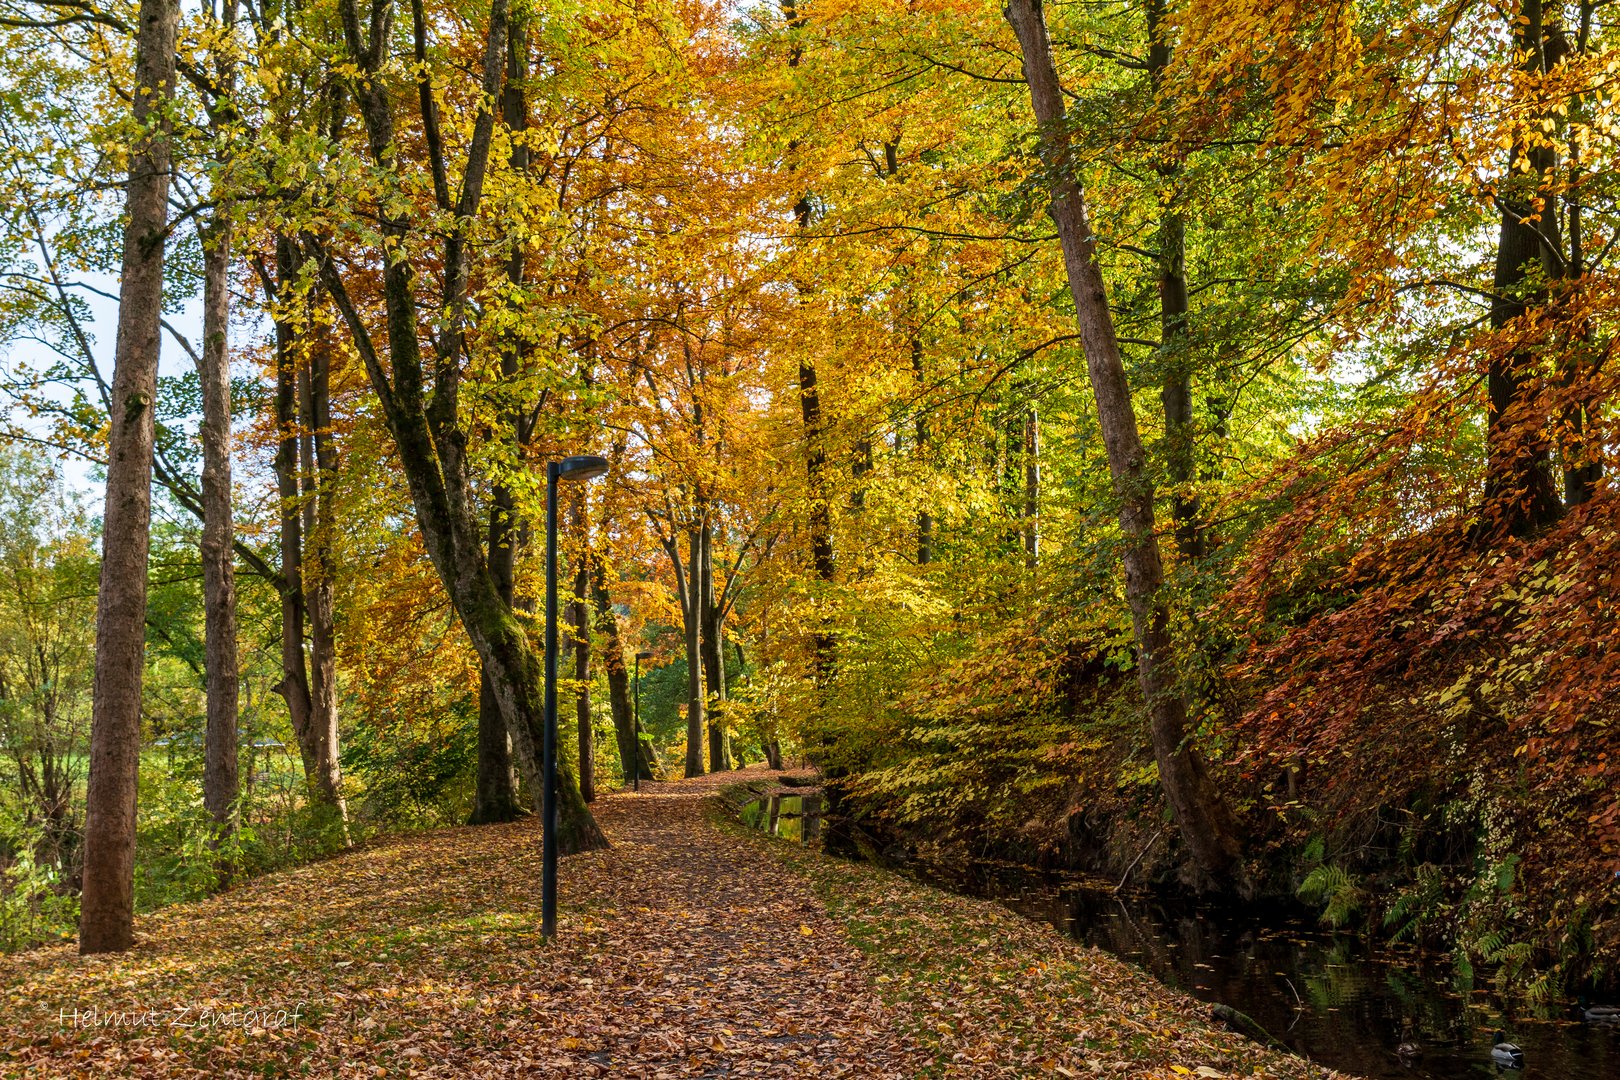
(640, 656)
(584, 467)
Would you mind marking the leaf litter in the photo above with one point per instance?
(690, 948)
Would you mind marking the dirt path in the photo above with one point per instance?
(729, 965)
(680, 952)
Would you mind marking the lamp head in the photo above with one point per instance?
(581, 467)
(644, 656)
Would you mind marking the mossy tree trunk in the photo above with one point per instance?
(422, 414)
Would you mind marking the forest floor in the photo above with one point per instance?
(691, 947)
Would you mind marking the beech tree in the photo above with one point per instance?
(427, 430)
(1205, 822)
(303, 465)
(218, 544)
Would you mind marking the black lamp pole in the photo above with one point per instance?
(640, 656)
(573, 468)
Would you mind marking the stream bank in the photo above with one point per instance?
(1335, 999)
(985, 991)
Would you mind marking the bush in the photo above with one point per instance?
(422, 773)
(35, 904)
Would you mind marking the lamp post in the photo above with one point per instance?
(573, 468)
(640, 656)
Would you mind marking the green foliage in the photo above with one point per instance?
(757, 712)
(420, 773)
(663, 701)
(1335, 891)
(177, 857)
(35, 902)
(174, 861)
(1418, 906)
(1491, 932)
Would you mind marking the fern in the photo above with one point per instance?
(1335, 890)
(1417, 905)
(1464, 980)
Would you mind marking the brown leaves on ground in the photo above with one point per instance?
(988, 993)
(686, 949)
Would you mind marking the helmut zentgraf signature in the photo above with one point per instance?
(247, 1018)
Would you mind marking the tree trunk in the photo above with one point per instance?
(1175, 393)
(294, 683)
(925, 520)
(305, 466)
(840, 839)
(1206, 824)
(815, 463)
(580, 624)
(107, 906)
(1032, 487)
(319, 461)
(815, 450)
(220, 751)
(711, 626)
(1519, 490)
(495, 796)
(864, 464)
(518, 684)
(218, 565)
(618, 678)
(1583, 462)
(690, 609)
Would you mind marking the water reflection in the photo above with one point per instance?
(791, 817)
(1335, 999)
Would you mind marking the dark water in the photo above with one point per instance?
(790, 818)
(1339, 1001)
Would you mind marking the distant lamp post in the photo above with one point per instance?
(640, 656)
(582, 468)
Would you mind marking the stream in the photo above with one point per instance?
(1338, 1000)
